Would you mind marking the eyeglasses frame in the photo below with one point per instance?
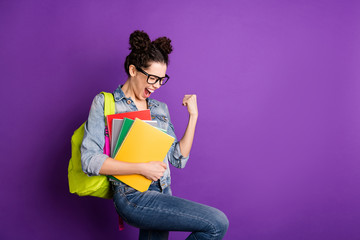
(150, 75)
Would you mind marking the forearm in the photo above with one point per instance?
(188, 138)
(115, 167)
(151, 170)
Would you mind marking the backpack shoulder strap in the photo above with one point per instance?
(109, 103)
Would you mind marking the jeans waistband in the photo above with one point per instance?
(154, 184)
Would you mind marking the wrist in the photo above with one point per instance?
(140, 168)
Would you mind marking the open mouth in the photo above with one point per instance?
(148, 92)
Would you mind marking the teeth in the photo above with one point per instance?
(150, 90)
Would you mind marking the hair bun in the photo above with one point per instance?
(139, 41)
(163, 44)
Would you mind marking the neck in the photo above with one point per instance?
(128, 90)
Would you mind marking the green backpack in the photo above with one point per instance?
(80, 183)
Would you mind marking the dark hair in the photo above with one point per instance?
(144, 51)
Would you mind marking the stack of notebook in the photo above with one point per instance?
(135, 138)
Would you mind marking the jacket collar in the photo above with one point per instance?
(119, 94)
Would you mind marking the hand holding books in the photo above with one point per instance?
(153, 170)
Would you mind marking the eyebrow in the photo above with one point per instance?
(156, 75)
(150, 74)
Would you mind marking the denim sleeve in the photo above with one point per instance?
(92, 156)
(174, 155)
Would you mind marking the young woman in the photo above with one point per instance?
(155, 212)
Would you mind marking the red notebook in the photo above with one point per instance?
(143, 115)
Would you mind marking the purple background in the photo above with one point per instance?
(278, 137)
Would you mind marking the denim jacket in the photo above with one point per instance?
(92, 156)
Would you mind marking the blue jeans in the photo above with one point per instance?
(156, 212)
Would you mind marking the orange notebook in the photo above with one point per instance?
(143, 143)
(143, 115)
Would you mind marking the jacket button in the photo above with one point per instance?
(129, 101)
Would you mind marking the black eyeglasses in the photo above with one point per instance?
(152, 79)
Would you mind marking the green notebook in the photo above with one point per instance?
(123, 132)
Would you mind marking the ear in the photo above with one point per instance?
(132, 70)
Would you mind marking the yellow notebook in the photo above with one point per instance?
(143, 143)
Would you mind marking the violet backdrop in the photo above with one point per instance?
(278, 137)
